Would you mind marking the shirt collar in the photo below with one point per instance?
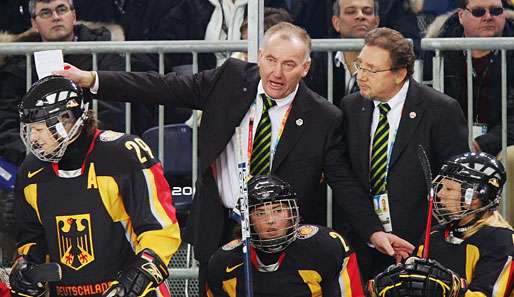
(339, 60)
(398, 99)
(281, 101)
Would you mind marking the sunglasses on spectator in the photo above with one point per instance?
(46, 13)
(480, 11)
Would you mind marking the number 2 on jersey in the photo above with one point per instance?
(138, 145)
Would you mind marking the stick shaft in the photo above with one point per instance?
(245, 217)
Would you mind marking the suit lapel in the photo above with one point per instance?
(365, 112)
(412, 114)
(295, 125)
(235, 111)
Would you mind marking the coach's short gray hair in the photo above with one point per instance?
(288, 31)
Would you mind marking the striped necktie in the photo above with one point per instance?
(261, 153)
(378, 166)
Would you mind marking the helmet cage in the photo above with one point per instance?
(260, 241)
(56, 125)
(59, 109)
(474, 185)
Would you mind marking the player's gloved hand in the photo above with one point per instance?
(417, 277)
(145, 274)
(20, 282)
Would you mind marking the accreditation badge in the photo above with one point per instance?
(381, 205)
(479, 130)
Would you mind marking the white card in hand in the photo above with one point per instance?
(48, 61)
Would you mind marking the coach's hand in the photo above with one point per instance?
(391, 245)
(85, 79)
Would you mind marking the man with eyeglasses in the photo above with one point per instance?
(385, 123)
(480, 18)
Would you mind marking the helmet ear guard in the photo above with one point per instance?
(480, 176)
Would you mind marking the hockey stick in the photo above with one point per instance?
(245, 216)
(46, 272)
(425, 165)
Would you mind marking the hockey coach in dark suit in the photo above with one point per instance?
(385, 122)
(287, 130)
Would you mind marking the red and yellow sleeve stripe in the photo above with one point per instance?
(164, 241)
(350, 278)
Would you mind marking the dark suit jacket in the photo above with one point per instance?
(308, 149)
(430, 119)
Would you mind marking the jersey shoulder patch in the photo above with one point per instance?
(107, 136)
(306, 231)
(232, 245)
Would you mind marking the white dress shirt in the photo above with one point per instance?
(227, 175)
(393, 117)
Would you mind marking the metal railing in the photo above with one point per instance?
(194, 47)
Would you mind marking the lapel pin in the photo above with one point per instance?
(299, 122)
(412, 115)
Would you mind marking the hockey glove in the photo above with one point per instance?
(20, 281)
(145, 274)
(417, 277)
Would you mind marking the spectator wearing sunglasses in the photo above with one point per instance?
(480, 18)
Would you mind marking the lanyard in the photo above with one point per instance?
(250, 132)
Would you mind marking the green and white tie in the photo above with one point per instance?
(261, 151)
(378, 165)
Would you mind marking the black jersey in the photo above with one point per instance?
(94, 220)
(318, 263)
(484, 259)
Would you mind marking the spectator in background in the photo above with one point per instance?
(480, 18)
(384, 124)
(351, 19)
(55, 20)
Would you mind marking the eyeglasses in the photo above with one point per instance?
(46, 13)
(359, 67)
(480, 11)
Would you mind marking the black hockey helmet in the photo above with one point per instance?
(480, 176)
(270, 191)
(61, 106)
(416, 278)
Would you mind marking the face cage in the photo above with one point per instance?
(468, 193)
(277, 244)
(57, 131)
